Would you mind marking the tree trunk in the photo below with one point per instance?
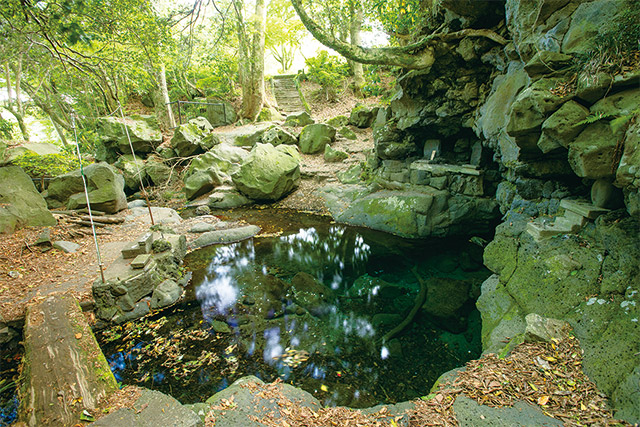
(251, 49)
(8, 79)
(160, 94)
(164, 91)
(17, 110)
(357, 16)
(60, 133)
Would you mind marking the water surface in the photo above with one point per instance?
(310, 303)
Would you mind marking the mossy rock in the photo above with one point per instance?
(334, 156)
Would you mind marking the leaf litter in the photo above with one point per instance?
(559, 387)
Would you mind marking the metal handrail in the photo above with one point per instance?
(224, 110)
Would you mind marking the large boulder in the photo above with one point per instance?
(212, 169)
(39, 148)
(104, 185)
(202, 123)
(530, 109)
(133, 171)
(187, 140)
(245, 136)
(157, 171)
(276, 136)
(269, 172)
(314, 137)
(411, 213)
(143, 131)
(20, 203)
(299, 119)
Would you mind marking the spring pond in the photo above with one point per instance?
(309, 302)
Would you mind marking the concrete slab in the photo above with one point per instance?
(585, 209)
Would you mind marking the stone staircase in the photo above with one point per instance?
(577, 214)
(286, 93)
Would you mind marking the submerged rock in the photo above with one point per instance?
(310, 294)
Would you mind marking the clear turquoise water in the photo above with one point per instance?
(310, 304)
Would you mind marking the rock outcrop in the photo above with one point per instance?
(105, 187)
(510, 124)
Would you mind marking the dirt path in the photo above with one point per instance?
(27, 273)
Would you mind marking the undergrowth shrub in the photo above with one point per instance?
(615, 48)
(36, 165)
(330, 72)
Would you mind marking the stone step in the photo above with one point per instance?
(575, 218)
(546, 230)
(585, 209)
(567, 223)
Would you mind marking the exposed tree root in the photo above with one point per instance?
(420, 299)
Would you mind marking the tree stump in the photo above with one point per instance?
(63, 371)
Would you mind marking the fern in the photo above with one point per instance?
(623, 122)
(597, 116)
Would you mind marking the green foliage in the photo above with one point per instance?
(328, 71)
(614, 47)
(375, 84)
(36, 165)
(597, 116)
(284, 32)
(399, 18)
(624, 33)
(6, 129)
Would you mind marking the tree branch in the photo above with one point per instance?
(418, 55)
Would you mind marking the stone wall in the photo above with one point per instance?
(524, 125)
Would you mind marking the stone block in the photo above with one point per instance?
(399, 176)
(131, 251)
(432, 148)
(145, 241)
(140, 261)
(439, 182)
(419, 177)
(585, 209)
(546, 231)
